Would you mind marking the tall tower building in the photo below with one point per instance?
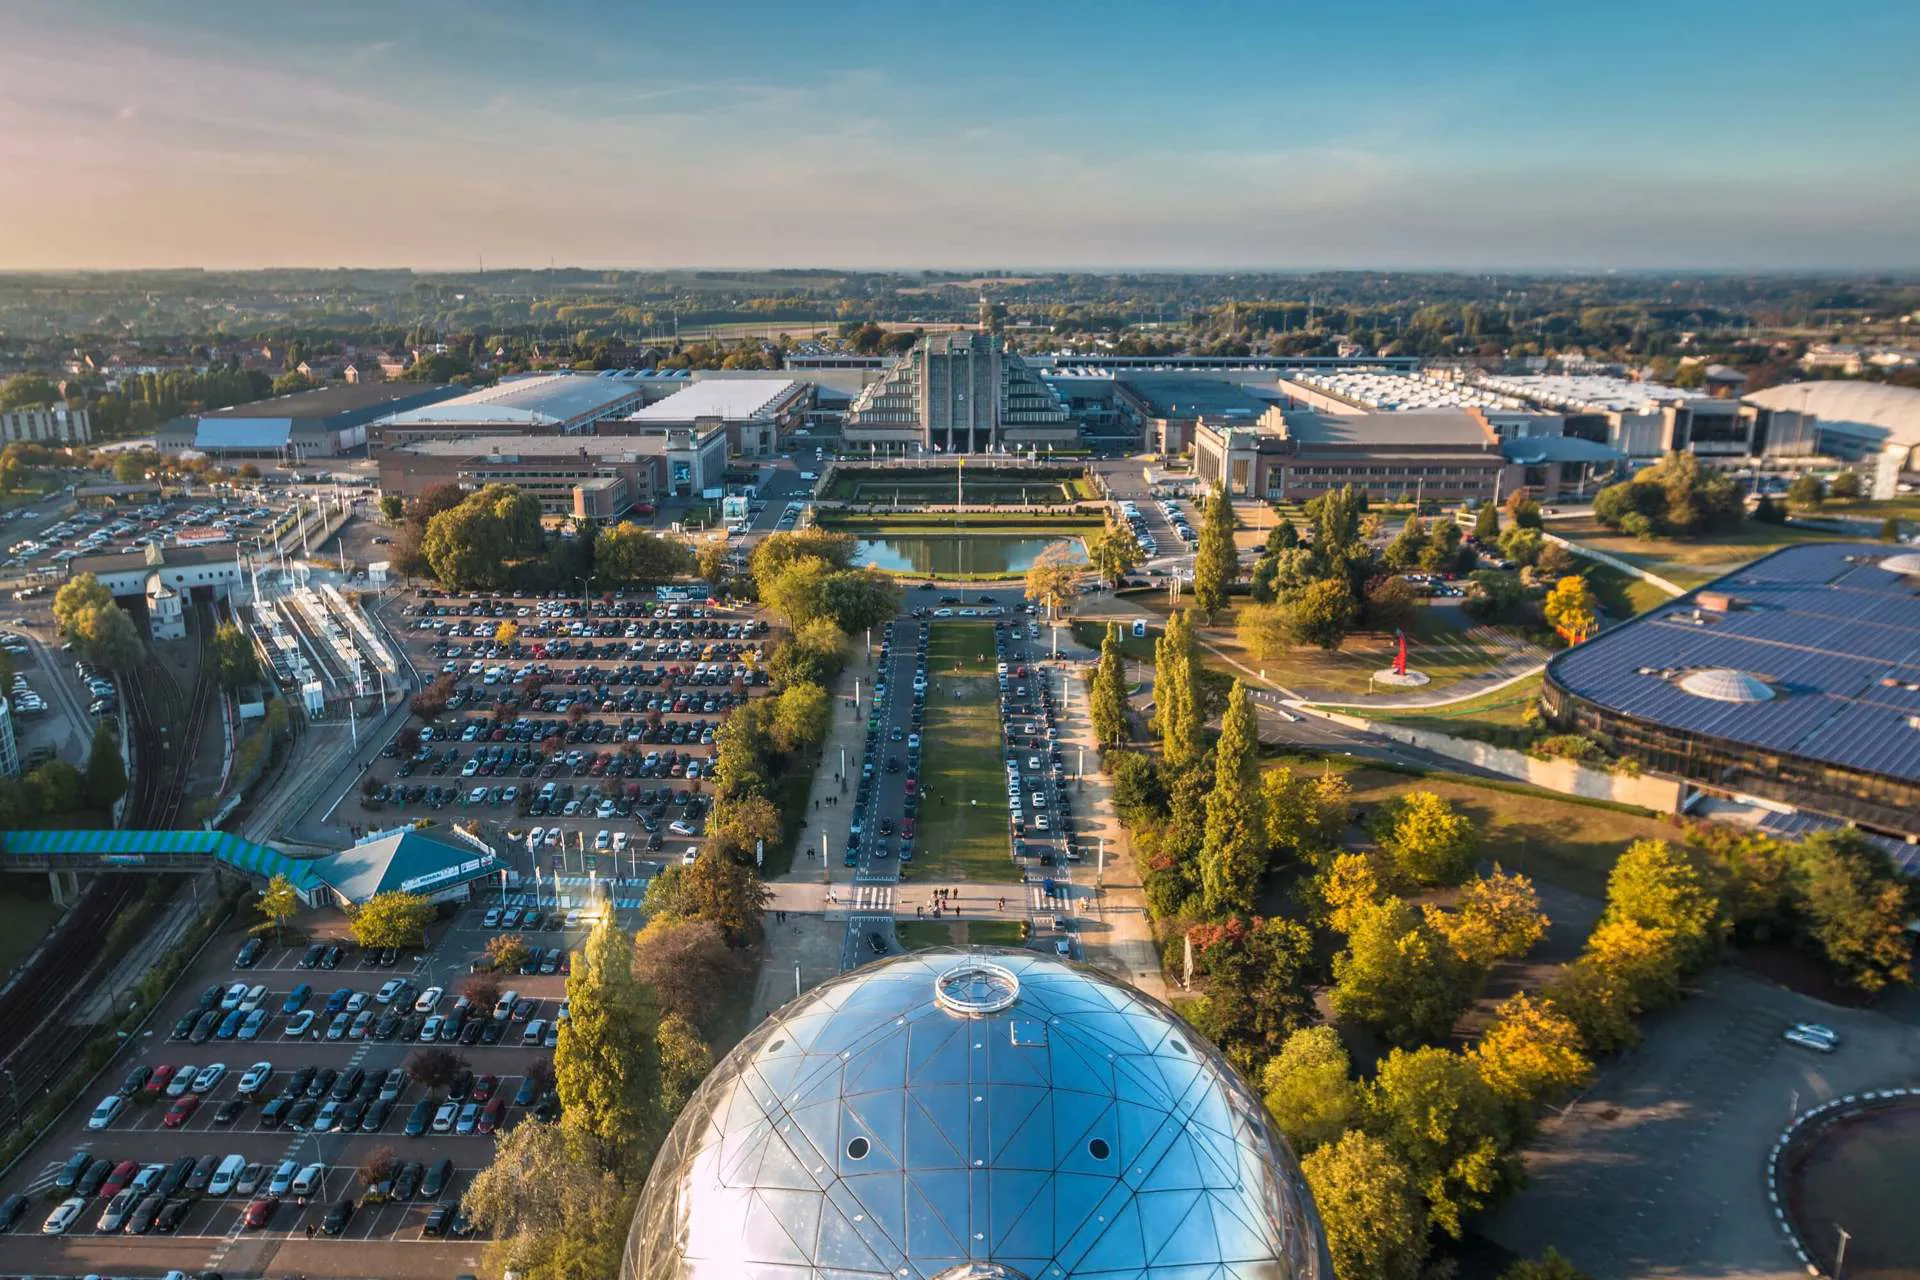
(959, 393)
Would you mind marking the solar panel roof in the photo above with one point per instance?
(1836, 636)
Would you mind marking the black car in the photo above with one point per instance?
(471, 1033)
(135, 1080)
(174, 1180)
(338, 1216)
(438, 1178)
(490, 1033)
(439, 1218)
(275, 1111)
(170, 1215)
(407, 1183)
(300, 1114)
(229, 1111)
(376, 1117)
(297, 1082)
(203, 1029)
(349, 1084)
(462, 1086)
(89, 1184)
(10, 1210)
(389, 956)
(322, 1081)
(311, 960)
(420, 1117)
(70, 1172)
(184, 1027)
(202, 1174)
(249, 954)
(876, 944)
(141, 1220)
(330, 958)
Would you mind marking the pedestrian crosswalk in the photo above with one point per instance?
(871, 898)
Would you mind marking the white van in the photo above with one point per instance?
(530, 1038)
(226, 1175)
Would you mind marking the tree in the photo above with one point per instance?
(801, 718)
(234, 661)
(130, 468)
(1522, 545)
(392, 507)
(1496, 917)
(1890, 529)
(713, 560)
(1449, 1128)
(1531, 1052)
(1256, 985)
(1233, 854)
(1114, 552)
(1397, 974)
(690, 969)
(1429, 843)
(506, 633)
(856, 599)
(1305, 815)
(106, 773)
(482, 990)
(506, 952)
(80, 594)
(391, 919)
(1322, 614)
(1597, 1003)
(777, 550)
(1282, 537)
(432, 701)
(1052, 578)
(741, 824)
(279, 903)
(553, 1213)
(1669, 888)
(1369, 1207)
(607, 1065)
(1548, 1266)
(1571, 608)
(467, 548)
(108, 637)
(379, 1165)
(1807, 490)
(730, 895)
(1845, 486)
(434, 1067)
(1216, 563)
(1856, 907)
(1486, 523)
(1350, 884)
(797, 590)
(1107, 699)
(1309, 1088)
(1177, 707)
(626, 553)
(685, 1060)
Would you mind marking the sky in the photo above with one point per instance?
(1574, 134)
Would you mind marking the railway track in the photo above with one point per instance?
(39, 1007)
(166, 731)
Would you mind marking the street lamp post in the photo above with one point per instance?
(1840, 1261)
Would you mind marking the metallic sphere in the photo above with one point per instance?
(977, 1114)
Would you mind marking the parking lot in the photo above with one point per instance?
(588, 732)
(235, 517)
(346, 1107)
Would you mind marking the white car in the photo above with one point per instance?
(307, 1181)
(1819, 1044)
(492, 919)
(226, 1175)
(443, 1119)
(428, 999)
(299, 1024)
(388, 991)
(103, 1115)
(255, 997)
(256, 1078)
(681, 827)
(63, 1216)
(209, 1078)
(690, 857)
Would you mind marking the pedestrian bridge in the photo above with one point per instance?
(64, 854)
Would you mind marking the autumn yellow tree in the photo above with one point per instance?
(1572, 609)
(1531, 1051)
(1496, 917)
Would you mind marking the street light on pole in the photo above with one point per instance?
(1840, 1262)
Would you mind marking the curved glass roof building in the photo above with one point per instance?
(981, 1114)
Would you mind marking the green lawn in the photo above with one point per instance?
(1093, 634)
(25, 916)
(1549, 837)
(963, 832)
(1621, 594)
(915, 934)
(1492, 717)
(1437, 646)
(1687, 563)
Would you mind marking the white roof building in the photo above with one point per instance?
(556, 402)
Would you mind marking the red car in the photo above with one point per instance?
(158, 1081)
(912, 786)
(483, 1087)
(260, 1212)
(117, 1180)
(906, 828)
(183, 1107)
(490, 1115)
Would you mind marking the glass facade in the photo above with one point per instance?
(974, 1113)
(1871, 800)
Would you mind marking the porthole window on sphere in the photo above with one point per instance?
(1098, 1149)
(857, 1149)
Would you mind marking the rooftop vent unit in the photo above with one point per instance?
(1723, 684)
(1906, 564)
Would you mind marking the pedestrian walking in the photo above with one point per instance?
(309, 1231)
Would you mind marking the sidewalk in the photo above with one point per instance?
(829, 808)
